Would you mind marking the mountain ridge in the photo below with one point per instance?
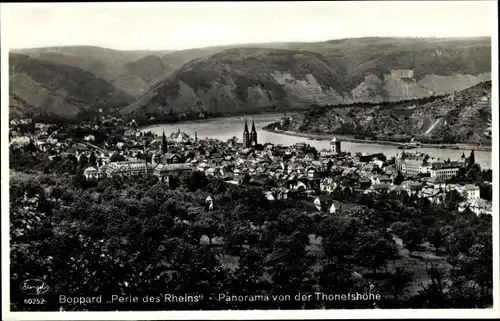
(39, 87)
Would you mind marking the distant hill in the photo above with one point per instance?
(242, 79)
(462, 117)
(177, 58)
(39, 87)
(378, 55)
(119, 67)
(425, 56)
(326, 73)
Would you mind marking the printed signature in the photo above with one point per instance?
(34, 287)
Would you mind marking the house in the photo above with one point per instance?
(327, 185)
(478, 206)
(311, 173)
(412, 187)
(44, 147)
(91, 173)
(364, 183)
(471, 192)
(326, 203)
(89, 138)
(171, 158)
(380, 188)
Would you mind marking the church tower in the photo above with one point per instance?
(246, 135)
(335, 146)
(253, 134)
(164, 143)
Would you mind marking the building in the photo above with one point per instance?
(471, 192)
(126, 168)
(91, 173)
(180, 137)
(164, 171)
(335, 145)
(411, 166)
(444, 170)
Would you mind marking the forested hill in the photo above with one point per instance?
(462, 117)
(44, 88)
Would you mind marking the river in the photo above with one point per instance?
(226, 127)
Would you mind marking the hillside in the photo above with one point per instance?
(328, 73)
(425, 56)
(121, 68)
(242, 79)
(463, 117)
(38, 87)
(361, 57)
(177, 58)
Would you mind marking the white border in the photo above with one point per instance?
(270, 314)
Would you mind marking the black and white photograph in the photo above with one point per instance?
(301, 159)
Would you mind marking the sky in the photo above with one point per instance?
(175, 26)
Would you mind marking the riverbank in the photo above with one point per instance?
(379, 142)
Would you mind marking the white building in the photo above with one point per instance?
(471, 192)
(335, 145)
(91, 173)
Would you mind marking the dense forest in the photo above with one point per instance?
(145, 238)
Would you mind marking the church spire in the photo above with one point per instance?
(246, 127)
(246, 135)
(253, 135)
(164, 143)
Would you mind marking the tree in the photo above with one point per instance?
(116, 157)
(412, 238)
(436, 238)
(209, 226)
(338, 237)
(197, 180)
(373, 249)
(399, 179)
(398, 281)
(472, 159)
(92, 160)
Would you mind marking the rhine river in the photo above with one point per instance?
(226, 127)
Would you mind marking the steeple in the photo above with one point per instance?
(246, 135)
(164, 143)
(253, 134)
(246, 127)
(195, 137)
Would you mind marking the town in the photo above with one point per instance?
(328, 178)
